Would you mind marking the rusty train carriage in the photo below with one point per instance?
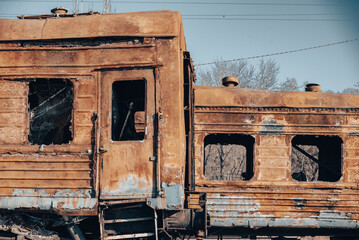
(103, 134)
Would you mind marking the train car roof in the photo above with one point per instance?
(136, 24)
(240, 97)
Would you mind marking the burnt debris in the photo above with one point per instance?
(50, 108)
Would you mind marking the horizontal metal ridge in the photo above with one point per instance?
(129, 220)
(130, 236)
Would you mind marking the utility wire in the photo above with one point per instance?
(231, 15)
(234, 19)
(272, 19)
(279, 53)
(263, 14)
(195, 3)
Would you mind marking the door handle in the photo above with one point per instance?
(103, 150)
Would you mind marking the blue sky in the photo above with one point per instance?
(232, 29)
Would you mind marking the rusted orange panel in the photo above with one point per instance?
(126, 167)
(91, 57)
(231, 97)
(124, 24)
(272, 198)
(13, 112)
(40, 170)
(153, 167)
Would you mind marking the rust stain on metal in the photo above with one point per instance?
(311, 188)
(103, 119)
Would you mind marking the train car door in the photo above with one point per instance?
(127, 130)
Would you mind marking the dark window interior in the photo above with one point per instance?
(50, 108)
(228, 157)
(128, 106)
(316, 158)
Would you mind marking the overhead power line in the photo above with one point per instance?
(264, 14)
(272, 19)
(196, 3)
(279, 53)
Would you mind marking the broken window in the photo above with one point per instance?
(228, 157)
(50, 108)
(128, 110)
(316, 158)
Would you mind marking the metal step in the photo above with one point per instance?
(117, 226)
(129, 236)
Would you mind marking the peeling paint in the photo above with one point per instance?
(174, 195)
(270, 126)
(40, 199)
(236, 211)
(172, 199)
(132, 186)
(299, 202)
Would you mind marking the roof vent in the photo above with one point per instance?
(59, 10)
(230, 81)
(312, 87)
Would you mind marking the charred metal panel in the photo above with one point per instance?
(172, 197)
(44, 171)
(47, 171)
(61, 200)
(77, 56)
(240, 97)
(51, 182)
(172, 138)
(144, 24)
(244, 211)
(13, 112)
(273, 197)
(130, 47)
(126, 169)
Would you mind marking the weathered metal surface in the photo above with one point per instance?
(66, 177)
(61, 200)
(157, 156)
(254, 212)
(272, 198)
(126, 169)
(236, 97)
(125, 24)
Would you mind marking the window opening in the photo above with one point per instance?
(316, 158)
(50, 107)
(128, 110)
(228, 157)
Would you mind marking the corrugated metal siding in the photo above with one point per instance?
(45, 172)
(13, 112)
(282, 209)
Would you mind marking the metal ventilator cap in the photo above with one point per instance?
(230, 81)
(312, 87)
(59, 10)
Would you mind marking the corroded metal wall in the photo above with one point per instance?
(272, 198)
(91, 52)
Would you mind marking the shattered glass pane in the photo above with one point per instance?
(50, 108)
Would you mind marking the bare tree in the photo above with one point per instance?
(106, 6)
(264, 76)
(350, 91)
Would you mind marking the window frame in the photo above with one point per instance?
(249, 156)
(145, 109)
(72, 112)
(325, 138)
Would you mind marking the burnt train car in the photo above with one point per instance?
(104, 136)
